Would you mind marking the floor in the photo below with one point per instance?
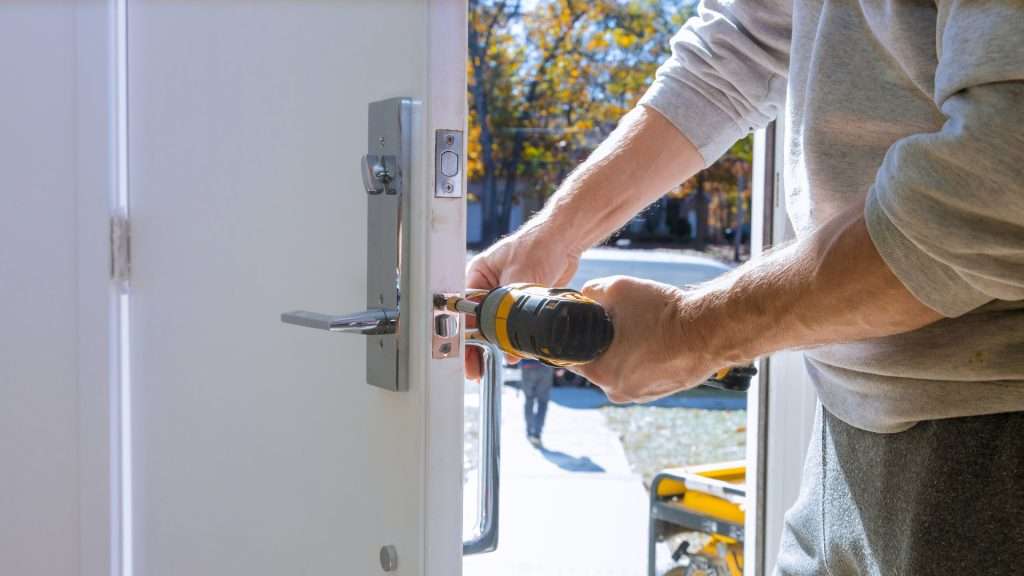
(572, 508)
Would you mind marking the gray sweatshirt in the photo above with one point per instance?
(919, 105)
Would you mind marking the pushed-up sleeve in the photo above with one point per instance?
(727, 73)
(946, 210)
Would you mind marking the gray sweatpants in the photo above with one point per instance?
(945, 497)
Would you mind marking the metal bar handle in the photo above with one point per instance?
(368, 322)
(486, 534)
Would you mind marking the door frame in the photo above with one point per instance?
(781, 401)
(444, 263)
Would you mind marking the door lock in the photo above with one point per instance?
(380, 174)
(387, 240)
(445, 341)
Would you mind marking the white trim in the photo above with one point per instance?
(95, 182)
(753, 548)
(121, 377)
(781, 403)
(444, 261)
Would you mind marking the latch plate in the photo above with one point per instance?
(446, 333)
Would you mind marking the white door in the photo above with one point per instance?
(258, 447)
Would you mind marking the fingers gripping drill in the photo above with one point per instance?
(557, 326)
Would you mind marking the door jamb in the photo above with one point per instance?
(778, 430)
(444, 260)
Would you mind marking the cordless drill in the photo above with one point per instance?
(557, 326)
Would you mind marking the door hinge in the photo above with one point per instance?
(120, 249)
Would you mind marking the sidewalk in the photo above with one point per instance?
(574, 508)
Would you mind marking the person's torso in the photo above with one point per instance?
(861, 78)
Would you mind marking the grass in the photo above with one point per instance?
(659, 438)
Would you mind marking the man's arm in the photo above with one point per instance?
(643, 159)
(832, 286)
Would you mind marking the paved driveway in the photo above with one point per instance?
(574, 508)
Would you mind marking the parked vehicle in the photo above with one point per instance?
(668, 266)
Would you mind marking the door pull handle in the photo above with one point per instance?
(485, 537)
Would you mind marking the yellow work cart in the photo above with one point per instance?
(705, 501)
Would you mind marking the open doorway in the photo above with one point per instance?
(548, 80)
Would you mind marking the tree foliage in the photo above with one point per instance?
(548, 83)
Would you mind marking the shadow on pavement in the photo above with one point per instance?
(570, 463)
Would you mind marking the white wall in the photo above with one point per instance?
(54, 440)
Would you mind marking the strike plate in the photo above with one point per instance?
(449, 164)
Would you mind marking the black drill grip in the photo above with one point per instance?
(559, 326)
(736, 379)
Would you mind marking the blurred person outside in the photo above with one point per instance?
(537, 380)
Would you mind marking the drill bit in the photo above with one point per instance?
(455, 303)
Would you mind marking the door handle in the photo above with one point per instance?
(485, 537)
(368, 322)
(386, 170)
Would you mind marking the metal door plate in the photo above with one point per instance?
(387, 240)
(449, 164)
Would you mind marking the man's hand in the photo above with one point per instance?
(658, 347)
(527, 256)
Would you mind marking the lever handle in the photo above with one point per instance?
(485, 538)
(368, 322)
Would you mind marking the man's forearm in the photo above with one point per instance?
(831, 286)
(645, 157)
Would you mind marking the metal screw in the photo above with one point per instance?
(388, 558)
(445, 348)
(449, 187)
(450, 140)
